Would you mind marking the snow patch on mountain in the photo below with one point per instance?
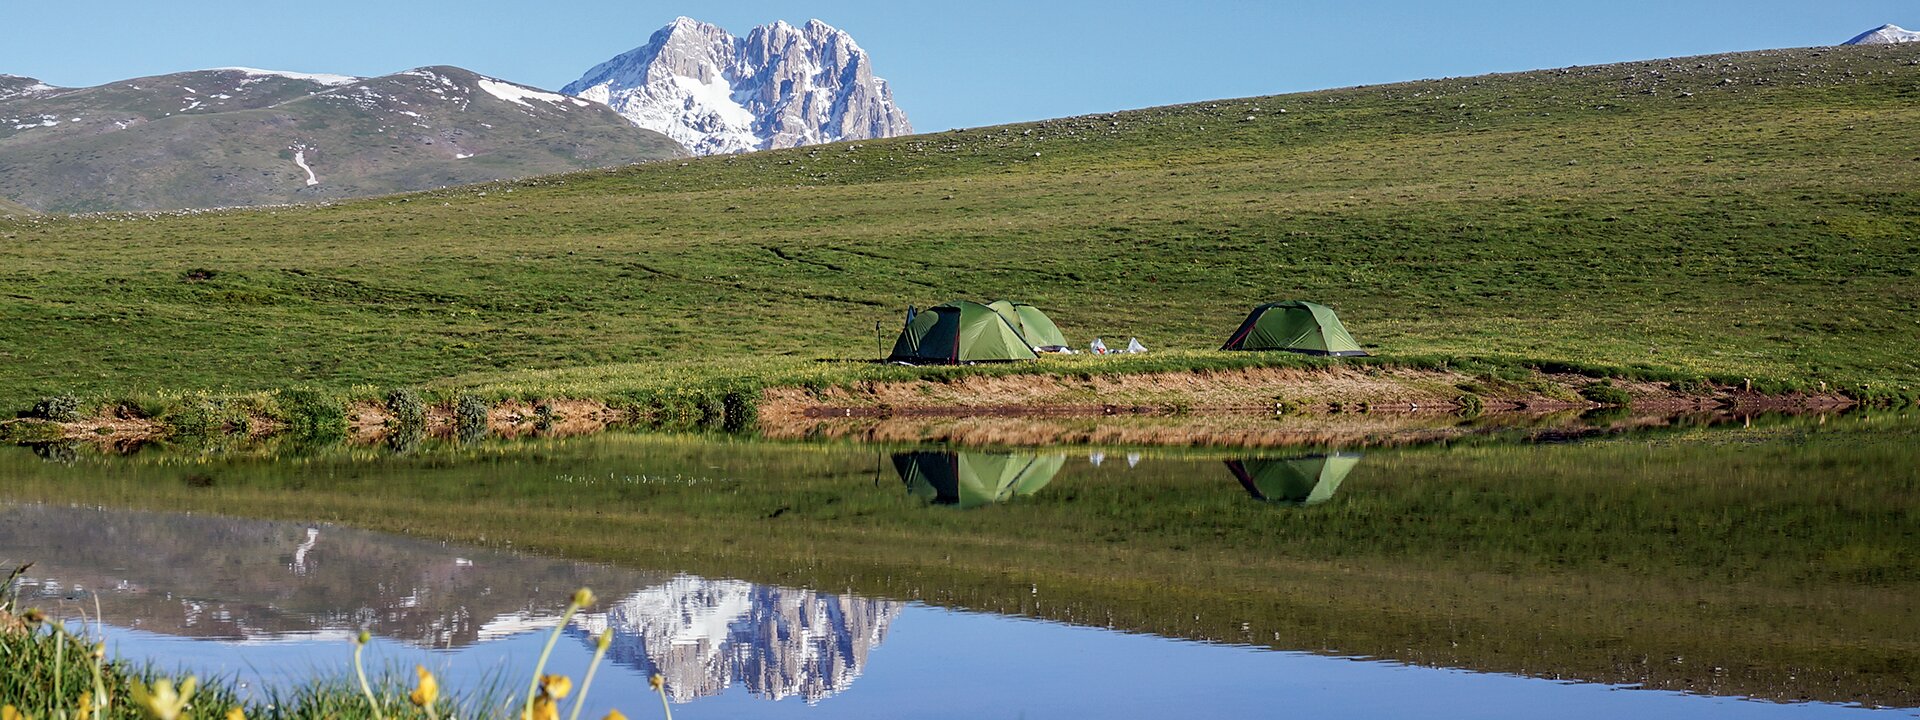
(517, 94)
(322, 78)
(715, 93)
(1888, 34)
(13, 86)
(300, 158)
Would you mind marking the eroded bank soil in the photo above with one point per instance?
(1255, 407)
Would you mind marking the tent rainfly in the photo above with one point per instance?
(1034, 326)
(972, 479)
(1294, 326)
(958, 332)
(1294, 481)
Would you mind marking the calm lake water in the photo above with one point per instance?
(1754, 570)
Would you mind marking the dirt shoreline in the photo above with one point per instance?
(1260, 391)
(1212, 407)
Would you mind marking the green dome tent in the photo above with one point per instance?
(958, 332)
(1034, 326)
(1295, 481)
(972, 479)
(1294, 326)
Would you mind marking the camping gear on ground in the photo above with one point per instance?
(1098, 348)
(1038, 329)
(1294, 326)
(958, 332)
(1308, 480)
(1134, 346)
(972, 479)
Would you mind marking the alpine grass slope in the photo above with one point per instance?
(1749, 214)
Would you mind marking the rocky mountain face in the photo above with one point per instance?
(239, 136)
(1885, 35)
(780, 86)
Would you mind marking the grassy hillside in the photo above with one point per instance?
(1746, 214)
(12, 208)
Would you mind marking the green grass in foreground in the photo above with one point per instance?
(1745, 215)
(54, 673)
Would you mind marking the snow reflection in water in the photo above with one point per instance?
(257, 582)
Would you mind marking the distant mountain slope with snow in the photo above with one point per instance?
(780, 86)
(242, 136)
(1885, 35)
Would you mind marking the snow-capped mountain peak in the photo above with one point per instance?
(1885, 35)
(780, 86)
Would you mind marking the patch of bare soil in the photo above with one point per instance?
(565, 417)
(1236, 430)
(1255, 408)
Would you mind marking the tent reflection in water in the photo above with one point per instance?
(1309, 480)
(972, 479)
(958, 332)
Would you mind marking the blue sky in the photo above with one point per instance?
(957, 63)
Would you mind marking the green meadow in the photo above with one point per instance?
(1746, 215)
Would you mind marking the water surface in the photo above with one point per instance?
(1701, 565)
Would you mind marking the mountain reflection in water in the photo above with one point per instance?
(778, 642)
(250, 581)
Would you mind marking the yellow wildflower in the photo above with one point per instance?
(427, 691)
(614, 715)
(604, 641)
(556, 686)
(86, 704)
(10, 712)
(544, 708)
(583, 597)
(162, 701)
(236, 714)
(656, 681)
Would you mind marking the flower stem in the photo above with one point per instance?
(59, 657)
(662, 688)
(534, 687)
(600, 651)
(361, 671)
